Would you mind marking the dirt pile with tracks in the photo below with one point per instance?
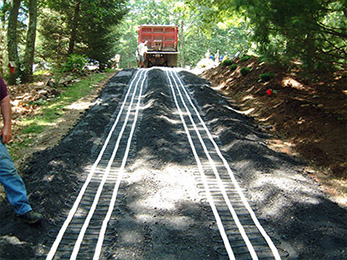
(160, 214)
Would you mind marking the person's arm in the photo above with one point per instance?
(6, 112)
(145, 52)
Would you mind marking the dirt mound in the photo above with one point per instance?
(308, 116)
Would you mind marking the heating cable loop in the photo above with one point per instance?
(220, 184)
(132, 93)
(176, 88)
(199, 164)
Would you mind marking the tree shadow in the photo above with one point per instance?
(301, 215)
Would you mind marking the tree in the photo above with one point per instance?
(99, 28)
(140, 12)
(194, 40)
(12, 43)
(53, 36)
(82, 27)
(182, 15)
(73, 36)
(3, 49)
(127, 44)
(30, 42)
(312, 31)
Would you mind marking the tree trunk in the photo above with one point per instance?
(12, 44)
(73, 36)
(30, 42)
(2, 39)
(182, 44)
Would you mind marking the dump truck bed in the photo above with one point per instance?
(160, 38)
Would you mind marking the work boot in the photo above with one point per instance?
(31, 217)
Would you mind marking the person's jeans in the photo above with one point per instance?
(13, 183)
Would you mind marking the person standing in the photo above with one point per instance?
(13, 184)
(141, 53)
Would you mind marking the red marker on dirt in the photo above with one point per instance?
(269, 92)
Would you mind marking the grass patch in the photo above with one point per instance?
(49, 112)
(227, 62)
(246, 58)
(264, 77)
(245, 70)
(233, 67)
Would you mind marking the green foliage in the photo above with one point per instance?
(227, 62)
(232, 67)
(53, 37)
(39, 102)
(75, 62)
(51, 111)
(246, 57)
(94, 21)
(99, 29)
(264, 77)
(313, 32)
(245, 70)
(195, 38)
(141, 12)
(227, 38)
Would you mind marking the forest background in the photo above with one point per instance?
(60, 35)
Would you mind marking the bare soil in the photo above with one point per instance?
(306, 114)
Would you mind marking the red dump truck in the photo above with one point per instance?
(161, 43)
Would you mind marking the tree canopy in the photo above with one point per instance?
(63, 28)
(195, 39)
(83, 26)
(315, 32)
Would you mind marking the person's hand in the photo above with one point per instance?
(6, 134)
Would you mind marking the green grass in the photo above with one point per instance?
(50, 112)
(233, 67)
(264, 77)
(245, 70)
(227, 62)
(53, 110)
(246, 57)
